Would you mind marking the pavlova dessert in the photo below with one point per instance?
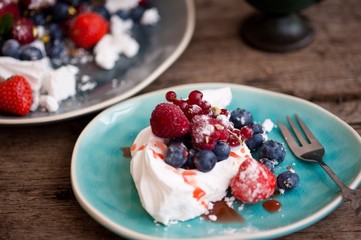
(195, 150)
(45, 41)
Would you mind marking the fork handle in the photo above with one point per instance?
(349, 194)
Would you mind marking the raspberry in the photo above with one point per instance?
(87, 29)
(206, 131)
(254, 182)
(168, 121)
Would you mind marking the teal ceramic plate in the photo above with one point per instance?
(160, 46)
(104, 188)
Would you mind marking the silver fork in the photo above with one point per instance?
(311, 150)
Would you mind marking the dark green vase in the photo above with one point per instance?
(278, 26)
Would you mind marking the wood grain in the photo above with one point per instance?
(36, 199)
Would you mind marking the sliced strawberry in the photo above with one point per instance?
(15, 96)
(254, 182)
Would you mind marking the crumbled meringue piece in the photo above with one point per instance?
(61, 83)
(49, 103)
(150, 17)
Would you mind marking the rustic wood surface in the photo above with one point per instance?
(36, 199)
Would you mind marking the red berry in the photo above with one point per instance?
(15, 96)
(233, 140)
(206, 107)
(254, 182)
(206, 131)
(171, 96)
(195, 97)
(87, 29)
(182, 104)
(224, 112)
(24, 31)
(168, 121)
(192, 110)
(246, 133)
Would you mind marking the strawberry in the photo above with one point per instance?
(254, 182)
(168, 121)
(87, 29)
(15, 96)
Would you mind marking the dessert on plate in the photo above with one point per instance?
(46, 41)
(195, 151)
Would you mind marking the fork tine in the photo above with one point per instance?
(297, 133)
(306, 130)
(292, 144)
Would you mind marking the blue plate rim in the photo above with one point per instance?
(273, 233)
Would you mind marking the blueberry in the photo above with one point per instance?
(255, 141)
(11, 48)
(270, 164)
(205, 160)
(60, 11)
(222, 150)
(190, 161)
(123, 14)
(102, 11)
(38, 18)
(272, 150)
(30, 54)
(288, 180)
(137, 14)
(257, 128)
(176, 155)
(55, 31)
(241, 117)
(55, 49)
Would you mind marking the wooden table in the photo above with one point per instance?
(36, 199)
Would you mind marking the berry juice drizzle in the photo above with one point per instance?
(126, 152)
(272, 205)
(224, 213)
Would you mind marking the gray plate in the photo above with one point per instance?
(160, 46)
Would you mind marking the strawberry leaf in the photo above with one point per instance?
(6, 23)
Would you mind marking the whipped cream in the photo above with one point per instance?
(175, 194)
